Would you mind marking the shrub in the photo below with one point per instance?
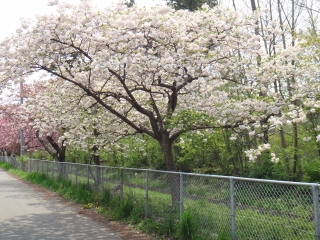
(312, 170)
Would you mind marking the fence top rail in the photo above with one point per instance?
(197, 174)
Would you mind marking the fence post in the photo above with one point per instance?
(76, 174)
(52, 169)
(232, 209)
(102, 180)
(147, 188)
(67, 171)
(121, 185)
(88, 175)
(29, 165)
(181, 196)
(315, 196)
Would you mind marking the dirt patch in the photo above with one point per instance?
(124, 231)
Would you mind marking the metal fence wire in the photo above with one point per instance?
(222, 207)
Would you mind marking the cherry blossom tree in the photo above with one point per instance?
(157, 71)
(17, 116)
(62, 109)
(11, 123)
(9, 138)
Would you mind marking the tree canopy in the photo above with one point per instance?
(159, 72)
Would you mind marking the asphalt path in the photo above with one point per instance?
(27, 214)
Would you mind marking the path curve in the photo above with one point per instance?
(28, 214)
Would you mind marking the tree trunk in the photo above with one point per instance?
(97, 175)
(226, 139)
(295, 152)
(60, 156)
(295, 170)
(173, 178)
(96, 160)
(284, 146)
(44, 145)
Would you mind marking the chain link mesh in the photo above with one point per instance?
(208, 199)
(273, 211)
(262, 209)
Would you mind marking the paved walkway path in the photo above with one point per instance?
(25, 214)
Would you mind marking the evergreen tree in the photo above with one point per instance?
(129, 3)
(191, 5)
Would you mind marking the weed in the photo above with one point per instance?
(124, 209)
(187, 227)
(106, 196)
(170, 225)
(223, 235)
(138, 211)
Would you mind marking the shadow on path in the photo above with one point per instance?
(26, 214)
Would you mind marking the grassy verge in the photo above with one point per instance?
(206, 212)
(130, 209)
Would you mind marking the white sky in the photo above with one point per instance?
(12, 10)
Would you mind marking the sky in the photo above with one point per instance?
(12, 10)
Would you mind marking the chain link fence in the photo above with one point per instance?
(222, 207)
